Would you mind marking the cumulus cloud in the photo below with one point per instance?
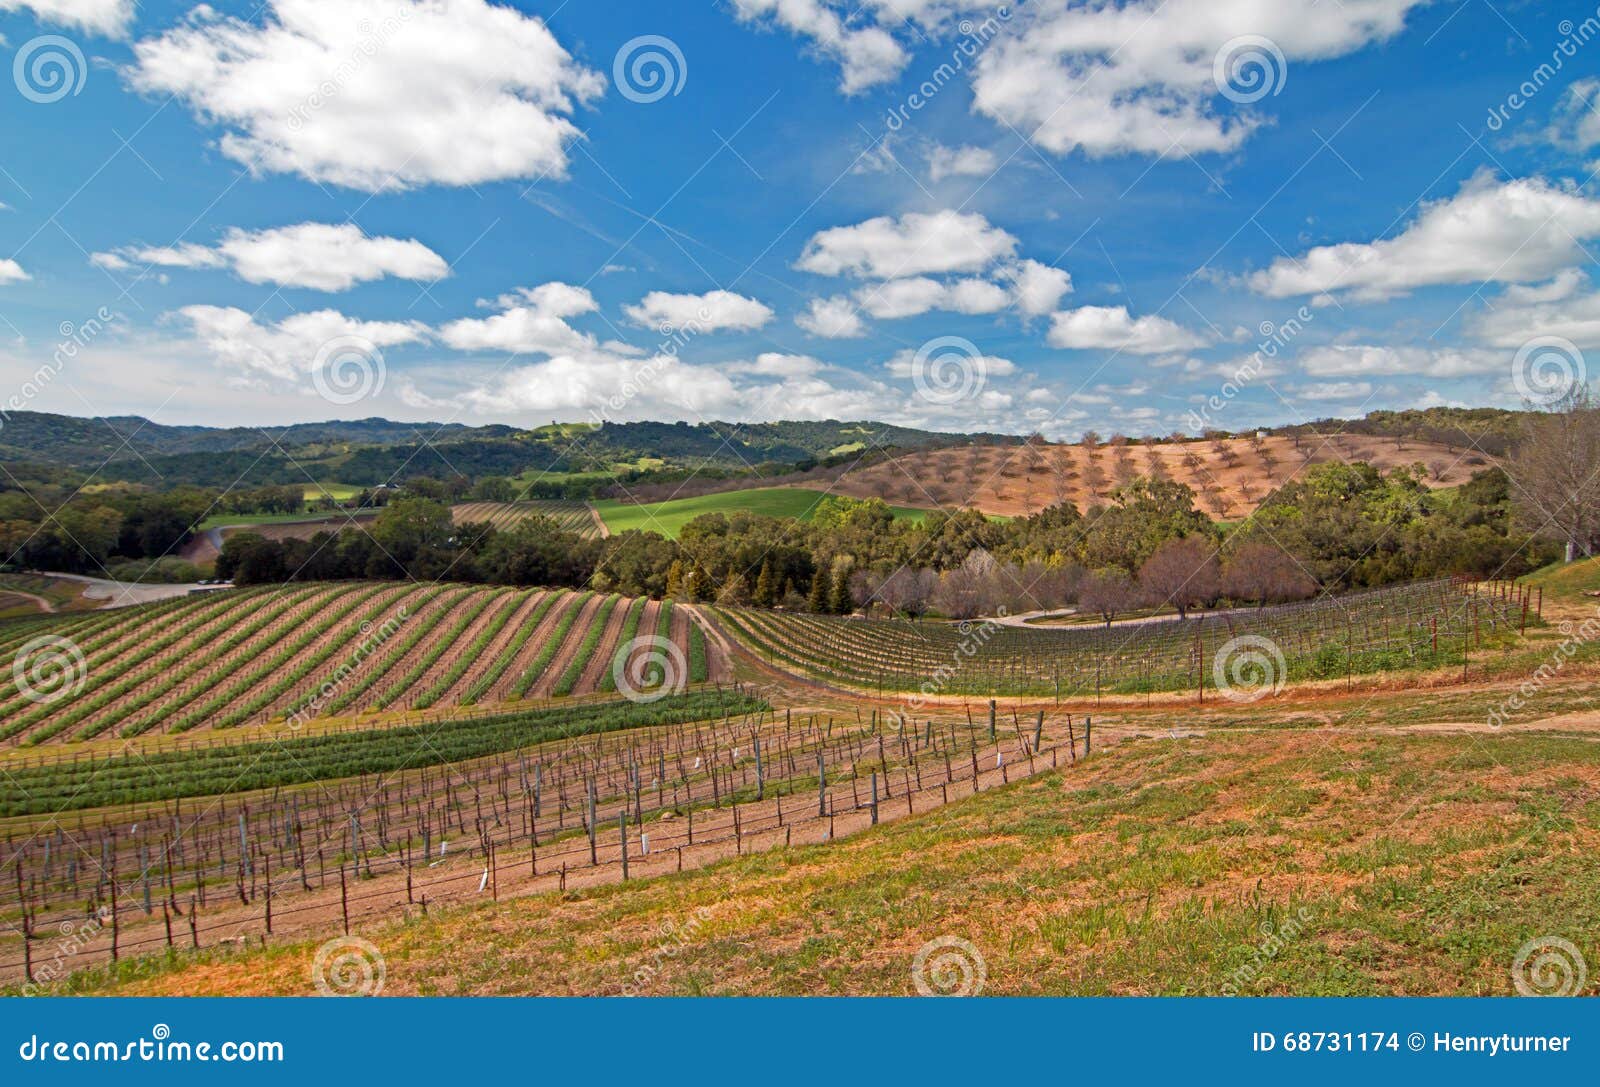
(1335, 390)
(832, 318)
(914, 244)
(1138, 77)
(108, 17)
(1038, 288)
(777, 364)
(530, 320)
(1515, 231)
(905, 364)
(377, 94)
(287, 350)
(11, 272)
(946, 162)
(1370, 360)
(910, 297)
(867, 55)
(319, 256)
(1566, 307)
(705, 312)
(651, 387)
(1112, 327)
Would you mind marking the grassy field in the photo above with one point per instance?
(668, 518)
(1306, 861)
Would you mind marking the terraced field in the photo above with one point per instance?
(323, 650)
(576, 517)
(1429, 622)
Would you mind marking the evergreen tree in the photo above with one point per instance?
(675, 586)
(766, 593)
(821, 598)
(842, 603)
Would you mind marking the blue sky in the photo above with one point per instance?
(932, 212)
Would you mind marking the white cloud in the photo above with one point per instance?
(1038, 288)
(867, 55)
(832, 318)
(287, 350)
(377, 94)
(658, 387)
(1576, 124)
(1111, 327)
(531, 320)
(1564, 307)
(1335, 390)
(910, 297)
(703, 312)
(1373, 360)
(904, 364)
(11, 272)
(776, 364)
(1137, 77)
(912, 245)
(319, 256)
(946, 162)
(108, 17)
(1512, 232)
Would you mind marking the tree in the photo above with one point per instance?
(766, 593)
(821, 597)
(1107, 592)
(1266, 574)
(1556, 488)
(1182, 572)
(841, 604)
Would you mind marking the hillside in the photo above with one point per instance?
(1230, 476)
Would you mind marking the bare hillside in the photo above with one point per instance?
(1230, 477)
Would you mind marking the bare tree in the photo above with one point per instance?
(1266, 574)
(1555, 470)
(1183, 572)
(1107, 593)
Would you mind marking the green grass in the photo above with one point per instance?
(1563, 579)
(339, 492)
(668, 518)
(1257, 865)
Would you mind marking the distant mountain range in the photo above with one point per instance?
(370, 451)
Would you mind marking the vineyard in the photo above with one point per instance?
(323, 650)
(592, 793)
(577, 517)
(1430, 622)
